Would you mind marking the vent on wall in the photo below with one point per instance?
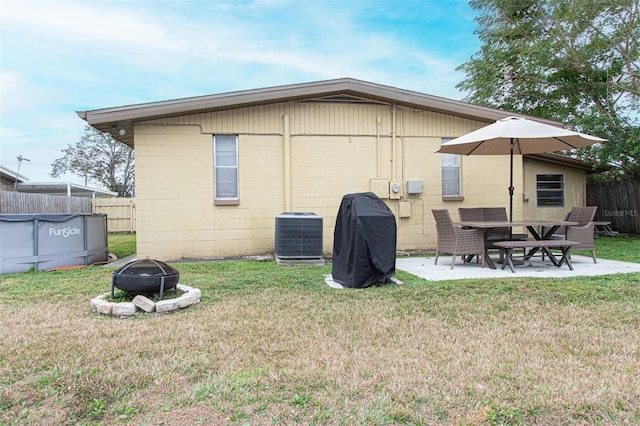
(298, 235)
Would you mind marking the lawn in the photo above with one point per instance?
(276, 345)
(122, 245)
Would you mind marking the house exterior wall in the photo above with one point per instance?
(575, 187)
(6, 184)
(302, 156)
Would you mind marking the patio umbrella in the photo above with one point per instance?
(517, 135)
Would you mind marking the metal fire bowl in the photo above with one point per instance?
(145, 277)
(145, 284)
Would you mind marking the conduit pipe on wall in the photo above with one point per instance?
(378, 159)
(402, 163)
(393, 143)
(404, 146)
(286, 138)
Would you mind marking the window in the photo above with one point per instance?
(225, 165)
(550, 190)
(450, 173)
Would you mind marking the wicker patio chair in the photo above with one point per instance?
(582, 215)
(456, 241)
(490, 214)
(473, 214)
(500, 214)
(581, 233)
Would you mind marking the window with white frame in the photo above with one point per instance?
(550, 190)
(225, 165)
(450, 173)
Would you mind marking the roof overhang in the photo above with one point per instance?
(565, 161)
(64, 189)
(9, 174)
(119, 121)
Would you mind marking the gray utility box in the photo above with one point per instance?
(46, 241)
(298, 235)
(414, 187)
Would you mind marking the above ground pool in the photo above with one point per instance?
(46, 241)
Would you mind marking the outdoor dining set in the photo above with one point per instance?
(484, 229)
(481, 230)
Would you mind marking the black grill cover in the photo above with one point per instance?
(364, 241)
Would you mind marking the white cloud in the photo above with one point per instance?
(88, 23)
(20, 95)
(176, 41)
(62, 56)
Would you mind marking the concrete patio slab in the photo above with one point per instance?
(423, 267)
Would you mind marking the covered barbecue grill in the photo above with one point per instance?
(364, 241)
(146, 276)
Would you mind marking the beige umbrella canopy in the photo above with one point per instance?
(517, 135)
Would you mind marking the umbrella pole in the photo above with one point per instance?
(511, 189)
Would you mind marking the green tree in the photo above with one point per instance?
(98, 157)
(575, 61)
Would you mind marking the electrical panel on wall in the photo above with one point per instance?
(404, 209)
(414, 187)
(380, 187)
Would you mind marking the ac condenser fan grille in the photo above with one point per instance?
(298, 235)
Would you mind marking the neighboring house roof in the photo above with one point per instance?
(52, 188)
(119, 121)
(7, 173)
(64, 188)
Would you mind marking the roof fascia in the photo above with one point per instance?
(12, 174)
(563, 160)
(289, 93)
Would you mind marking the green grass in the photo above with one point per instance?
(622, 247)
(276, 345)
(122, 245)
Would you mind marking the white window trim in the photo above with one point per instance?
(226, 200)
(451, 197)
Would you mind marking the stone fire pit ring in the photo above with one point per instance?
(190, 296)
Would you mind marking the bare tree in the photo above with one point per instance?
(98, 157)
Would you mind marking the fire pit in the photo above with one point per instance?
(145, 276)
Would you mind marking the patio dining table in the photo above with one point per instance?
(539, 230)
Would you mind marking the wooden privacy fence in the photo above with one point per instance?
(121, 213)
(23, 203)
(618, 203)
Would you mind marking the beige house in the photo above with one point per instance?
(213, 172)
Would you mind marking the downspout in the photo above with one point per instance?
(286, 138)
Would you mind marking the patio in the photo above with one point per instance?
(583, 266)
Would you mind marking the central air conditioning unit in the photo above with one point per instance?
(298, 235)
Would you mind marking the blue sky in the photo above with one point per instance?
(58, 57)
